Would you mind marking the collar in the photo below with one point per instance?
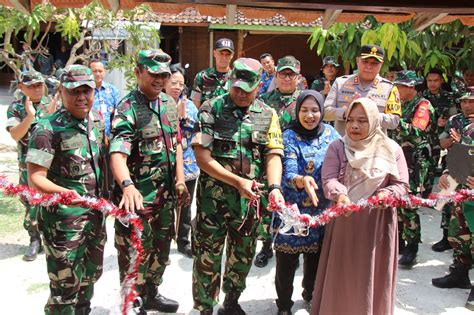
(374, 83)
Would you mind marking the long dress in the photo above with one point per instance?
(358, 266)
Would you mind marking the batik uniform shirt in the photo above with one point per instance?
(416, 124)
(16, 113)
(283, 104)
(381, 91)
(148, 132)
(209, 83)
(303, 157)
(191, 170)
(105, 99)
(72, 150)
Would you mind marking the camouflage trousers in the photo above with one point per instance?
(409, 225)
(460, 237)
(220, 219)
(264, 228)
(30, 219)
(158, 231)
(74, 240)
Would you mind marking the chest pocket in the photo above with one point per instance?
(151, 141)
(224, 144)
(75, 156)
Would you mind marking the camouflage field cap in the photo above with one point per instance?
(77, 75)
(156, 61)
(330, 60)
(289, 62)
(246, 74)
(469, 95)
(407, 78)
(372, 51)
(30, 77)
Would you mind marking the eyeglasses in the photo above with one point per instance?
(285, 75)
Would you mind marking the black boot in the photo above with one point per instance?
(458, 278)
(408, 258)
(401, 243)
(470, 300)
(35, 245)
(231, 305)
(261, 260)
(442, 245)
(206, 312)
(186, 250)
(155, 301)
(84, 309)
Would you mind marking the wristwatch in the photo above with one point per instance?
(126, 183)
(274, 186)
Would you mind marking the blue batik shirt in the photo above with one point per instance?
(266, 80)
(105, 99)
(303, 158)
(191, 170)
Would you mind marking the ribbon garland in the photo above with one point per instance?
(295, 223)
(35, 198)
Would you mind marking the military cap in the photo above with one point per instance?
(330, 60)
(407, 78)
(155, 61)
(372, 51)
(224, 44)
(246, 74)
(289, 62)
(77, 75)
(469, 95)
(29, 77)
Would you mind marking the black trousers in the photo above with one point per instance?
(285, 275)
(185, 217)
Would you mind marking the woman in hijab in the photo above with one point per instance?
(306, 142)
(358, 268)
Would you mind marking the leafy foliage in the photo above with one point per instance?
(446, 46)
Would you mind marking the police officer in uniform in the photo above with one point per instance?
(366, 83)
(413, 135)
(328, 76)
(66, 153)
(147, 163)
(214, 81)
(22, 114)
(237, 141)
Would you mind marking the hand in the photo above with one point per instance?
(454, 135)
(183, 195)
(245, 188)
(443, 181)
(75, 197)
(131, 199)
(442, 121)
(30, 109)
(343, 200)
(311, 187)
(276, 195)
(382, 194)
(327, 87)
(470, 182)
(182, 108)
(53, 104)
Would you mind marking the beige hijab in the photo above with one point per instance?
(369, 160)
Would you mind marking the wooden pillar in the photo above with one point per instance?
(240, 44)
(211, 48)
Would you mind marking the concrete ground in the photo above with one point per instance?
(24, 285)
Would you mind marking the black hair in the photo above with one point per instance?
(435, 71)
(177, 67)
(265, 55)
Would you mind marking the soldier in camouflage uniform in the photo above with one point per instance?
(366, 83)
(66, 154)
(21, 115)
(214, 81)
(147, 163)
(460, 128)
(413, 136)
(237, 140)
(283, 100)
(328, 76)
(445, 107)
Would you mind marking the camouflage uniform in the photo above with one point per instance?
(209, 83)
(239, 139)
(147, 132)
(413, 135)
(73, 151)
(16, 113)
(320, 82)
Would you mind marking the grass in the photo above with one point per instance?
(11, 215)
